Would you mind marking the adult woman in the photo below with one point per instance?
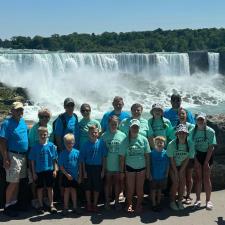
(113, 139)
(85, 122)
(158, 125)
(136, 112)
(179, 150)
(204, 140)
(134, 161)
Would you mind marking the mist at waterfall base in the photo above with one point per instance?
(95, 78)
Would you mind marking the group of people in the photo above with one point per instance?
(119, 153)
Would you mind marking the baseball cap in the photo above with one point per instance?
(134, 122)
(17, 105)
(156, 106)
(201, 115)
(182, 128)
(68, 101)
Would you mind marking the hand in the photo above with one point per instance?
(6, 163)
(35, 176)
(102, 174)
(69, 177)
(54, 173)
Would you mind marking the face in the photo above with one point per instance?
(44, 118)
(201, 122)
(182, 115)
(118, 105)
(69, 108)
(113, 125)
(85, 111)
(43, 135)
(136, 112)
(93, 134)
(69, 144)
(134, 130)
(157, 113)
(181, 136)
(176, 103)
(159, 144)
(17, 114)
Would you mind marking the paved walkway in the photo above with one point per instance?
(187, 217)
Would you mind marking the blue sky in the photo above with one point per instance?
(47, 17)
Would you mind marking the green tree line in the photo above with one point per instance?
(182, 40)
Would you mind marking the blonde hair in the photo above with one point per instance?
(160, 138)
(68, 137)
(42, 129)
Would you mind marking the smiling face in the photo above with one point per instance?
(176, 102)
(201, 122)
(182, 136)
(69, 108)
(159, 144)
(134, 131)
(43, 136)
(157, 113)
(93, 134)
(85, 111)
(113, 125)
(17, 114)
(182, 115)
(136, 111)
(118, 104)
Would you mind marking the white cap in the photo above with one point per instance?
(134, 122)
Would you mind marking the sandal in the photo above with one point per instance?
(188, 200)
(130, 209)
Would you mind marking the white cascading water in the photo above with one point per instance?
(213, 59)
(96, 78)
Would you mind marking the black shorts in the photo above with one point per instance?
(158, 184)
(201, 156)
(93, 182)
(131, 169)
(68, 183)
(45, 179)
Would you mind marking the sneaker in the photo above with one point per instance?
(107, 206)
(40, 210)
(180, 205)
(173, 206)
(65, 212)
(197, 205)
(10, 213)
(76, 211)
(209, 205)
(53, 210)
(118, 206)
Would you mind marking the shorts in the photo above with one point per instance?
(158, 184)
(201, 156)
(113, 172)
(131, 169)
(69, 183)
(17, 169)
(93, 182)
(45, 179)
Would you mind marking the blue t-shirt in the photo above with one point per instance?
(172, 115)
(93, 153)
(43, 156)
(16, 134)
(106, 116)
(71, 127)
(159, 164)
(70, 161)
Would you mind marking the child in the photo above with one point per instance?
(69, 165)
(93, 156)
(159, 171)
(43, 158)
(179, 150)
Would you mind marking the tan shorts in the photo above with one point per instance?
(18, 168)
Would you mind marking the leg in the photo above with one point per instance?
(153, 195)
(12, 193)
(130, 184)
(207, 182)
(73, 192)
(50, 196)
(108, 187)
(198, 176)
(117, 187)
(182, 181)
(66, 197)
(40, 196)
(159, 194)
(140, 178)
(189, 181)
(96, 195)
(174, 186)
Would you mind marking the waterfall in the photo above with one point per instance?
(213, 59)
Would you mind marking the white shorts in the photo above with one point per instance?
(18, 168)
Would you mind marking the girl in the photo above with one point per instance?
(179, 150)
(134, 161)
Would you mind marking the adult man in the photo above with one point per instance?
(14, 147)
(66, 122)
(172, 113)
(118, 106)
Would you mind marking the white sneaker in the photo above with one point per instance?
(197, 204)
(209, 205)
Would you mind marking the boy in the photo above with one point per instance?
(43, 158)
(93, 158)
(71, 170)
(159, 171)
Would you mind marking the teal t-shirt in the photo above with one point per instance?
(180, 152)
(134, 151)
(203, 139)
(160, 127)
(144, 129)
(113, 141)
(189, 127)
(83, 129)
(34, 136)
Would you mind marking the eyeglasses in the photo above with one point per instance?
(44, 117)
(85, 110)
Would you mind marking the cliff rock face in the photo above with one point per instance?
(217, 122)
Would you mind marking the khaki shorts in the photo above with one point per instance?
(18, 168)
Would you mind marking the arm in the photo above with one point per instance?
(173, 166)
(209, 154)
(4, 152)
(33, 170)
(55, 168)
(68, 176)
(151, 142)
(103, 167)
(147, 163)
